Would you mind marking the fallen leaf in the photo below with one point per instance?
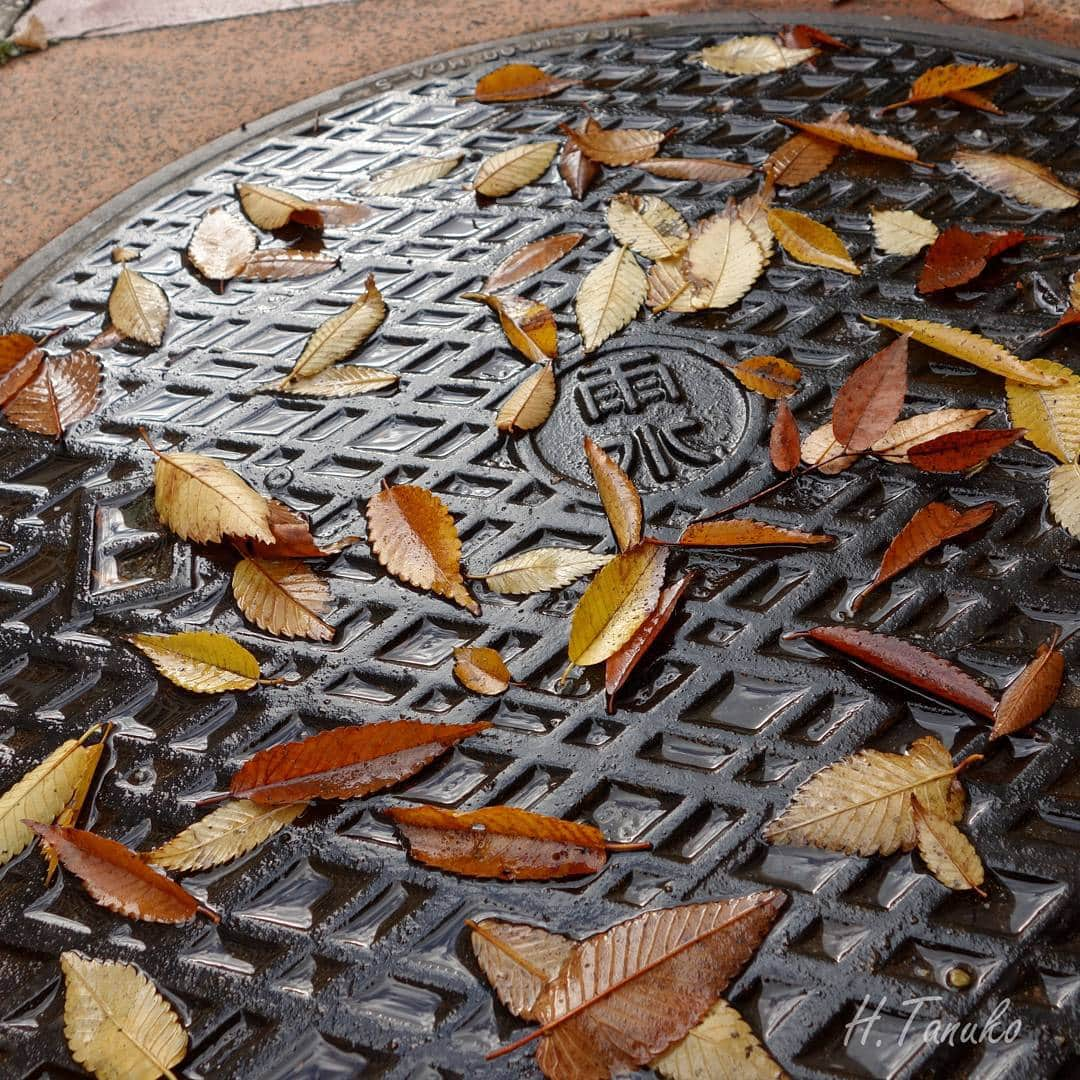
(619, 496)
(784, 439)
(801, 158)
(222, 835)
(805, 37)
(618, 600)
(500, 842)
(1063, 491)
(703, 170)
(620, 665)
(648, 225)
(528, 325)
(947, 851)
(117, 1025)
(931, 526)
(62, 391)
(753, 212)
(519, 82)
(667, 288)
(281, 264)
(340, 336)
(975, 100)
(722, 1046)
(118, 879)
(863, 804)
(958, 256)
(13, 349)
(739, 532)
(200, 660)
(541, 569)
(509, 170)
(481, 670)
(338, 213)
(753, 54)
(411, 174)
(344, 381)
(414, 537)
(531, 259)
(123, 254)
(987, 9)
(1031, 693)
(898, 659)
(283, 597)
(722, 262)
(293, 539)
(1025, 181)
(609, 297)
(518, 960)
(138, 307)
(970, 347)
(857, 137)
(821, 450)
(221, 246)
(578, 172)
(871, 398)
(530, 404)
(902, 232)
(809, 241)
(73, 808)
(947, 79)
(770, 376)
(345, 762)
(618, 146)
(904, 434)
(1051, 416)
(271, 208)
(32, 35)
(962, 449)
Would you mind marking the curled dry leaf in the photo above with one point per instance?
(530, 404)
(1031, 693)
(73, 808)
(618, 600)
(116, 1023)
(200, 661)
(722, 262)
(958, 256)
(578, 172)
(221, 245)
(519, 82)
(618, 494)
(63, 390)
(280, 264)
(931, 526)
(518, 960)
(531, 259)
(784, 439)
(1051, 417)
(703, 170)
(528, 325)
(481, 670)
(541, 569)
(1063, 491)
(738, 532)
(857, 137)
(118, 879)
(863, 804)
(345, 762)
(343, 381)
(770, 376)
(411, 175)
(907, 663)
(224, 834)
(809, 241)
(946, 80)
(753, 54)
(413, 535)
(1025, 181)
(871, 398)
(987, 9)
(272, 208)
(753, 212)
(620, 146)
(609, 297)
(800, 159)
(138, 307)
(501, 842)
(902, 232)
(293, 539)
(947, 851)
(283, 597)
(342, 335)
(962, 450)
(648, 225)
(509, 170)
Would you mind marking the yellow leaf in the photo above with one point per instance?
(73, 808)
(820, 448)
(754, 54)
(1025, 181)
(609, 297)
(138, 307)
(530, 404)
(511, 169)
(411, 175)
(1051, 416)
(972, 348)
(753, 212)
(202, 499)
(723, 1046)
(948, 79)
(283, 597)
(343, 382)
(857, 137)
(771, 376)
(648, 225)
(616, 146)
(221, 246)
(619, 496)
(667, 288)
(947, 851)
(541, 569)
(618, 600)
(481, 670)
(1063, 489)
(200, 661)
(722, 262)
(809, 241)
(223, 835)
(902, 232)
(117, 1024)
(271, 208)
(343, 334)
(528, 325)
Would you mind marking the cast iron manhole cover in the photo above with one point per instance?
(337, 956)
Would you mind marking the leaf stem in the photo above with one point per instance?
(640, 845)
(221, 796)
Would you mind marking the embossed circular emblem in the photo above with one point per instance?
(663, 407)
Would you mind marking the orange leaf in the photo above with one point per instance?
(704, 170)
(784, 439)
(480, 670)
(283, 597)
(528, 325)
(619, 496)
(948, 79)
(519, 82)
(413, 535)
(13, 348)
(501, 842)
(858, 138)
(118, 879)
(802, 158)
(1033, 691)
(624, 146)
(961, 450)
(346, 761)
(871, 398)
(737, 532)
(578, 172)
(292, 537)
(808, 37)
(768, 375)
(17, 369)
(531, 259)
(64, 390)
(974, 100)
(958, 256)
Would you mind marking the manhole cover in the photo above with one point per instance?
(337, 956)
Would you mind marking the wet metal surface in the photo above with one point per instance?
(338, 957)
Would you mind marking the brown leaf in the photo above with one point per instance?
(283, 597)
(623, 146)
(528, 325)
(899, 659)
(138, 307)
(413, 535)
(271, 208)
(738, 532)
(620, 666)
(858, 138)
(1025, 181)
(810, 241)
(64, 390)
(19, 362)
(958, 256)
(962, 450)
(987, 9)
(703, 170)
(801, 159)
(947, 851)
(118, 879)
(931, 526)
(221, 245)
(507, 171)
(500, 842)
(871, 398)
(771, 376)
(784, 439)
(578, 172)
(946, 80)
(531, 259)
(481, 670)
(1031, 693)
(280, 264)
(530, 403)
(32, 35)
(619, 496)
(292, 537)
(519, 82)
(345, 762)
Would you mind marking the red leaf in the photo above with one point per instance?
(1033, 691)
(958, 256)
(1070, 318)
(870, 400)
(784, 440)
(909, 664)
(961, 450)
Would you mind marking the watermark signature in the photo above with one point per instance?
(995, 1028)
